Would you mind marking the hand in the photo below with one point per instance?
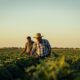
(17, 58)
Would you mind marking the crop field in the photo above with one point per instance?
(63, 64)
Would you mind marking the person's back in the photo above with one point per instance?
(28, 46)
(43, 48)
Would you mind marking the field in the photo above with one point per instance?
(63, 64)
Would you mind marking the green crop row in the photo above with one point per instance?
(65, 65)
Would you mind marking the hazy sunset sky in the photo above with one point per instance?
(57, 20)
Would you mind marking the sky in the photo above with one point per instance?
(57, 20)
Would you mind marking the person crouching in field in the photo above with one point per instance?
(41, 47)
(28, 46)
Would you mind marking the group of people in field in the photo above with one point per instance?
(40, 47)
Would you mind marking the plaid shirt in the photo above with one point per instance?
(42, 49)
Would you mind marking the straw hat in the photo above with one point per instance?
(38, 35)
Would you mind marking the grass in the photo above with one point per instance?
(65, 66)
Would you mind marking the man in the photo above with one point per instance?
(28, 46)
(41, 47)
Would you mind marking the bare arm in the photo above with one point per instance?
(24, 49)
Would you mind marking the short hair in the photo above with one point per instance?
(28, 37)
